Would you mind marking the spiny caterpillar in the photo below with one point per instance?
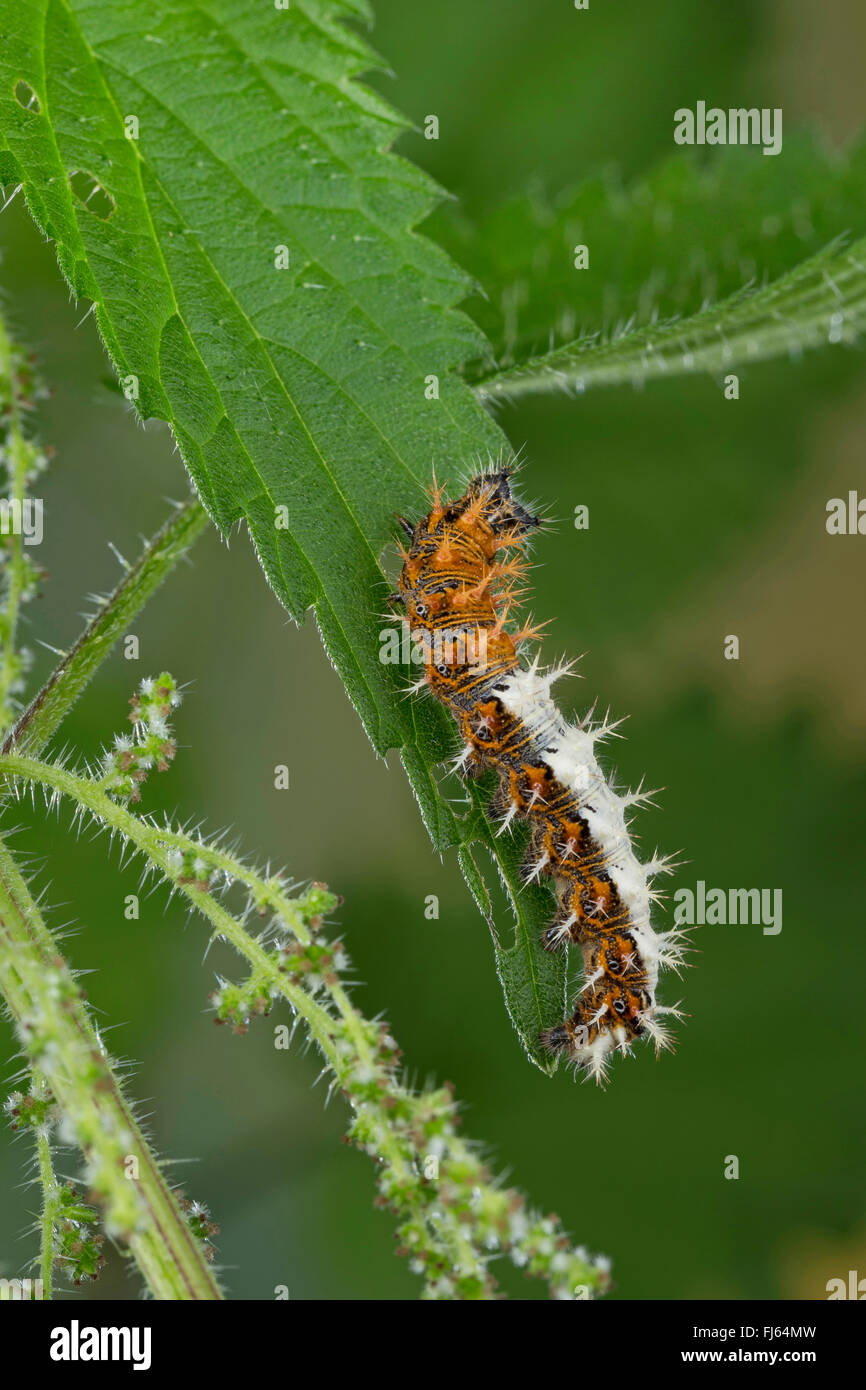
(456, 587)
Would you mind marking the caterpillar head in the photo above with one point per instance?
(498, 506)
(606, 1017)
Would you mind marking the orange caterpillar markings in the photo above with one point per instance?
(457, 586)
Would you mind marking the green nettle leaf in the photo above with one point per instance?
(821, 301)
(690, 236)
(221, 187)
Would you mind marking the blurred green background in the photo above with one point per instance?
(707, 518)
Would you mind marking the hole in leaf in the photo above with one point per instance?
(26, 97)
(89, 191)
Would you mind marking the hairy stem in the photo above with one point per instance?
(450, 1221)
(52, 703)
(60, 1040)
(160, 847)
(20, 456)
(50, 1205)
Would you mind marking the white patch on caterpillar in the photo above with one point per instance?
(568, 752)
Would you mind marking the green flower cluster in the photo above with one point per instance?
(126, 765)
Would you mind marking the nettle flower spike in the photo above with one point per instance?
(192, 868)
(36, 1111)
(313, 965)
(126, 766)
(199, 1220)
(238, 1004)
(21, 385)
(77, 1248)
(76, 1242)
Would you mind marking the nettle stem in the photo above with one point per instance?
(62, 1044)
(21, 460)
(453, 1215)
(53, 702)
(50, 1203)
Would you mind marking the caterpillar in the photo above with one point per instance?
(458, 584)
